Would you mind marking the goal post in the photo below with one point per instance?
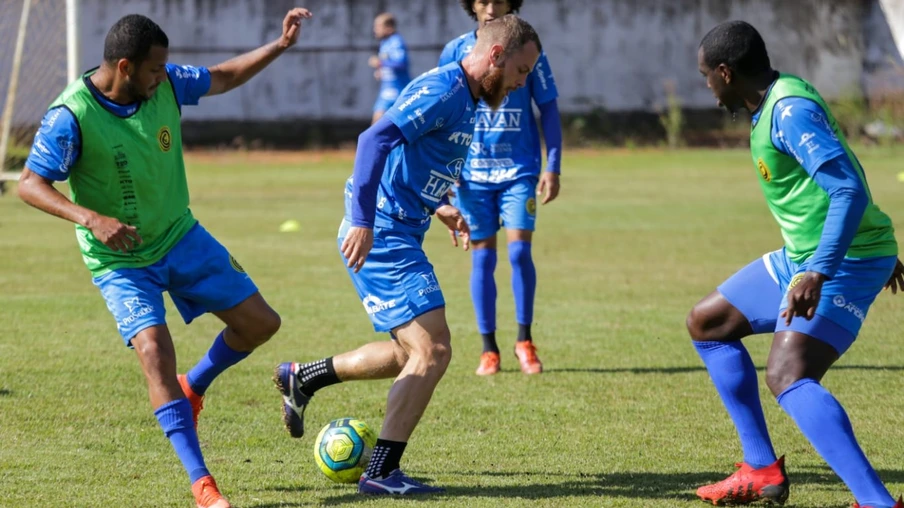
(39, 55)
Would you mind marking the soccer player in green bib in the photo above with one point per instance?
(813, 294)
(115, 134)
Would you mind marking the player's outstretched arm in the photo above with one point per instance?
(236, 71)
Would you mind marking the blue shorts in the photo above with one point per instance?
(396, 283)
(199, 274)
(386, 99)
(514, 207)
(759, 291)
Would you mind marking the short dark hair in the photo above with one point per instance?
(132, 37)
(739, 46)
(468, 6)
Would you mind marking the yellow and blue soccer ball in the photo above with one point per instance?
(343, 448)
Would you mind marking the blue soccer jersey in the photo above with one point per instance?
(506, 144)
(435, 114)
(393, 63)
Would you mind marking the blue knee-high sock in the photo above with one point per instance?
(218, 358)
(524, 281)
(176, 421)
(483, 289)
(826, 425)
(734, 375)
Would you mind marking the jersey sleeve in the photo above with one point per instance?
(542, 84)
(800, 128)
(448, 54)
(56, 146)
(190, 83)
(421, 108)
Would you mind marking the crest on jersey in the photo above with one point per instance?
(164, 139)
(795, 281)
(764, 170)
(235, 265)
(531, 206)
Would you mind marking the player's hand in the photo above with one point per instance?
(114, 234)
(356, 246)
(804, 297)
(896, 281)
(548, 188)
(378, 75)
(452, 218)
(374, 61)
(291, 26)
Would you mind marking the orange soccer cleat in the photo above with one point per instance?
(748, 485)
(196, 401)
(207, 495)
(489, 364)
(899, 504)
(526, 353)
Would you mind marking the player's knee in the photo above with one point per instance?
(265, 326)
(520, 254)
(779, 379)
(702, 326)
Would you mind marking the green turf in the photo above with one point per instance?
(625, 414)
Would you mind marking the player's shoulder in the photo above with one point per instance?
(184, 72)
(440, 84)
(461, 41)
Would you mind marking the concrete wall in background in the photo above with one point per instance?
(611, 54)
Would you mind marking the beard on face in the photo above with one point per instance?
(136, 92)
(491, 88)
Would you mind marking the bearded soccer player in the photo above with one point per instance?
(499, 185)
(115, 135)
(813, 294)
(404, 167)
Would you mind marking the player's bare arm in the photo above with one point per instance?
(40, 193)
(236, 71)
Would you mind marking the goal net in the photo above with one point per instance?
(36, 62)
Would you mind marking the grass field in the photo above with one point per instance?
(624, 416)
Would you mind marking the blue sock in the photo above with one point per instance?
(218, 358)
(734, 375)
(524, 281)
(483, 289)
(175, 420)
(825, 424)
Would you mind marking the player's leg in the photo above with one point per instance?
(204, 277)
(741, 306)
(802, 353)
(135, 298)
(427, 343)
(481, 211)
(518, 205)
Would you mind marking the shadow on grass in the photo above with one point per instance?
(687, 369)
(5, 393)
(678, 487)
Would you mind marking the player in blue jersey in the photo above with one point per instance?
(390, 64)
(114, 134)
(812, 295)
(405, 165)
(499, 182)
